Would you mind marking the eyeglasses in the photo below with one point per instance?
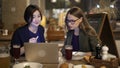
(71, 21)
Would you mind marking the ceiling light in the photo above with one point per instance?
(77, 0)
(98, 6)
(53, 1)
(112, 6)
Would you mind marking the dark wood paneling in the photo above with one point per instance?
(1, 24)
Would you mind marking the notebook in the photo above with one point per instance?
(42, 52)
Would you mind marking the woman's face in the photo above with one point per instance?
(36, 18)
(73, 22)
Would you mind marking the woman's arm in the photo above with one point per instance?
(15, 40)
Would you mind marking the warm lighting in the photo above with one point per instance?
(77, 0)
(108, 7)
(98, 6)
(112, 6)
(66, 0)
(53, 1)
(61, 18)
(43, 22)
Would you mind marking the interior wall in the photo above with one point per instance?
(40, 3)
(12, 12)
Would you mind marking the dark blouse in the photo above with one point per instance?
(35, 35)
(75, 43)
(23, 34)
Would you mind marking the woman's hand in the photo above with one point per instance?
(77, 23)
(33, 40)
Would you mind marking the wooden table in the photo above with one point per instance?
(22, 59)
(74, 62)
(61, 60)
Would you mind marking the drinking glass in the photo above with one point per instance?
(68, 52)
(4, 57)
(16, 52)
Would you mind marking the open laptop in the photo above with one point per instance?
(42, 52)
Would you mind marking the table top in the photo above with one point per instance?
(75, 62)
(6, 37)
(57, 65)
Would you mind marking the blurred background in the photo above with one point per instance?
(11, 12)
(12, 16)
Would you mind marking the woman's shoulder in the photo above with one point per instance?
(22, 28)
(40, 27)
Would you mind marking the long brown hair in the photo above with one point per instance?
(87, 28)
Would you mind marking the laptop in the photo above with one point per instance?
(46, 53)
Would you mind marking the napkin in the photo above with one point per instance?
(78, 55)
(81, 66)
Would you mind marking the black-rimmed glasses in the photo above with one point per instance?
(71, 21)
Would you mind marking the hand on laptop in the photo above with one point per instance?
(33, 40)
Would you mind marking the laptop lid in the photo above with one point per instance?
(41, 52)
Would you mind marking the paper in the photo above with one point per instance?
(78, 55)
(81, 66)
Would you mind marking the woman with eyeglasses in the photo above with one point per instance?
(80, 35)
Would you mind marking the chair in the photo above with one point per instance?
(55, 35)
